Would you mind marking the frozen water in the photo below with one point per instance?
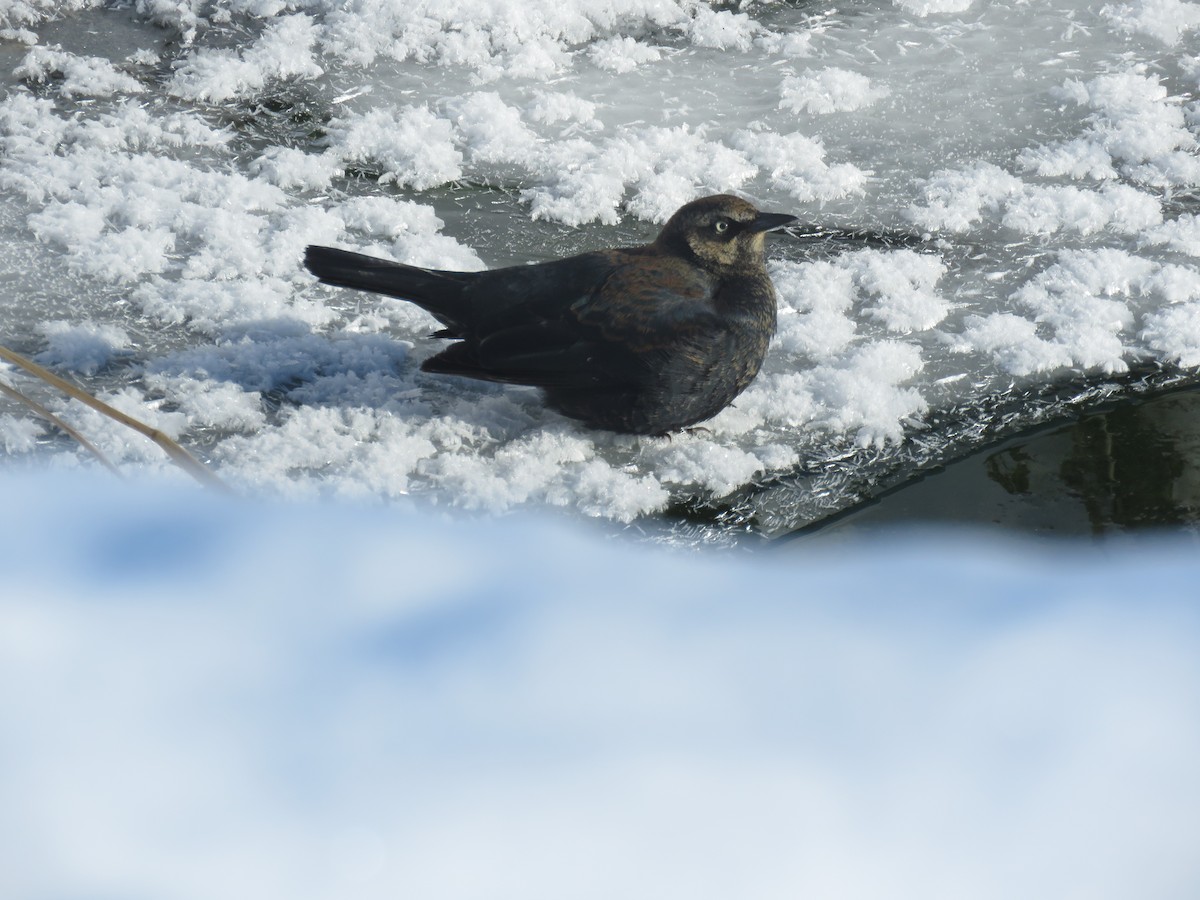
(205, 699)
(1029, 171)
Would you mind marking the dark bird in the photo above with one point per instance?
(641, 340)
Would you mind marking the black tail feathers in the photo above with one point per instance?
(439, 292)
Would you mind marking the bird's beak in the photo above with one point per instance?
(770, 221)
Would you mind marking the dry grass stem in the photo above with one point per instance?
(58, 423)
(177, 453)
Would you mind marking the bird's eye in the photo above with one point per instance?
(721, 226)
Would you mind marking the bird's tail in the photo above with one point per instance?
(439, 292)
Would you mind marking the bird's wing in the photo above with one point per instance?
(543, 354)
(651, 303)
(597, 320)
(502, 298)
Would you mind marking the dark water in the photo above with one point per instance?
(1130, 468)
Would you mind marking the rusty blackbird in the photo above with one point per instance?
(640, 340)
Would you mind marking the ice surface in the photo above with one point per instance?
(207, 699)
(1029, 173)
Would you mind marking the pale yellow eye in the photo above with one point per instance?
(720, 226)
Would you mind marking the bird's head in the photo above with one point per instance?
(723, 233)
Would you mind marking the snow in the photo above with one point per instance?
(162, 180)
(622, 54)
(33, 12)
(722, 29)
(19, 435)
(933, 7)
(1083, 300)
(815, 301)
(80, 76)
(1166, 20)
(550, 108)
(283, 52)
(827, 91)
(1175, 332)
(1181, 234)
(412, 147)
(85, 347)
(498, 39)
(1140, 127)
(796, 164)
(1014, 343)
(862, 393)
(208, 698)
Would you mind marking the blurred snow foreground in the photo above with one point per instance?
(163, 166)
(201, 698)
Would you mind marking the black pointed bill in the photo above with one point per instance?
(770, 221)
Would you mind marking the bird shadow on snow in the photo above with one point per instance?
(288, 365)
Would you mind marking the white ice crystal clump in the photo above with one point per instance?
(1084, 308)
(716, 467)
(120, 207)
(1181, 234)
(33, 12)
(84, 347)
(862, 393)
(622, 54)
(1165, 20)
(1175, 333)
(19, 435)
(1077, 158)
(815, 301)
(1013, 343)
(413, 229)
(80, 76)
(670, 166)
(795, 163)
(1081, 302)
(836, 314)
(289, 168)
(722, 29)
(933, 7)
(1135, 129)
(527, 40)
(959, 200)
(663, 168)
(553, 107)
(1080, 298)
(213, 307)
(284, 51)
(651, 171)
(1116, 207)
(902, 285)
(955, 200)
(212, 403)
(413, 146)
(492, 130)
(116, 440)
(828, 91)
(897, 289)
